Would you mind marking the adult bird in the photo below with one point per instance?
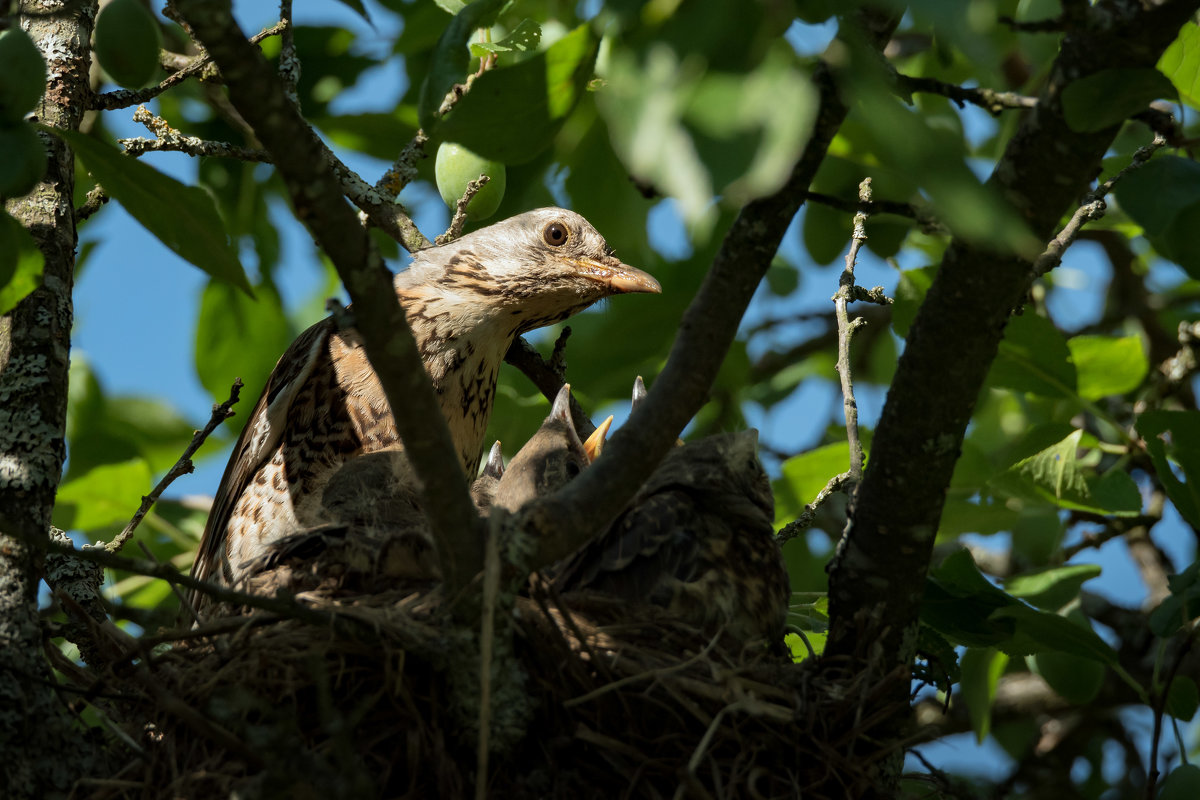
(466, 302)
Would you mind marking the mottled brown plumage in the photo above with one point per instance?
(697, 539)
(466, 302)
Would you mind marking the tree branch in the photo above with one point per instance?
(200, 67)
(705, 334)
(877, 577)
(183, 466)
(318, 199)
(35, 342)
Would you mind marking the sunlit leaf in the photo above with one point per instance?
(1053, 587)
(451, 57)
(1181, 63)
(102, 496)
(228, 322)
(524, 38)
(512, 113)
(21, 263)
(1054, 475)
(1106, 365)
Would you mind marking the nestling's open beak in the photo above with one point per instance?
(595, 442)
(619, 278)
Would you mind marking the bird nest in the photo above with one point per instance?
(386, 702)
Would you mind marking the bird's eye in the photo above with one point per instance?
(555, 234)
(573, 469)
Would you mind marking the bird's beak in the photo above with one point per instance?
(595, 442)
(619, 278)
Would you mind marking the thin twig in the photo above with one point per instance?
(843, 297)
(183, 466)
(124, 98)
(995, 103)
(1116, 527)
(91, 204)
(460, 210)
(173, 140)
(806, 517)
(1092, 208)
(279, 604)
(522, 355)
(1160, 705)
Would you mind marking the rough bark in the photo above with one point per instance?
(40, 752)
(876, 581)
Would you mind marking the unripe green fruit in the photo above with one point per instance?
(22, 75)
(127, 41)
(456, 166)
(24, 161)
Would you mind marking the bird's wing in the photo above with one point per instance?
(651, 541)
(259, 439)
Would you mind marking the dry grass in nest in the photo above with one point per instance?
(606, 707)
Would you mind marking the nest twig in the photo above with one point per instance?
(619, 705)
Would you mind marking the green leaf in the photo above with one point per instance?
(1037, 631)
(102, 430)
(1181, 63)
(378, 134)
(981, 670)
(451, 58)
(1183, 698)
(182, 217)
(1053, 587)
(21, 263)
(102, 496)
(1174, 437)
(910, 293)
(1077, 680)
(237, 337)
(1181, 606)
(1054, 475)
(1034, 358)
(1163, 196)
(694, 134)
(512, 114)
(1183, 783)
(1110, 96)
(524, 38)
(805, 475)
(1107, 365)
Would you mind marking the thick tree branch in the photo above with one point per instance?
(876, 580)
(705, 334)
(35, 733)
(318, 199)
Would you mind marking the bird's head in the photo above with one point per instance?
(536, 268)
(551, 458)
